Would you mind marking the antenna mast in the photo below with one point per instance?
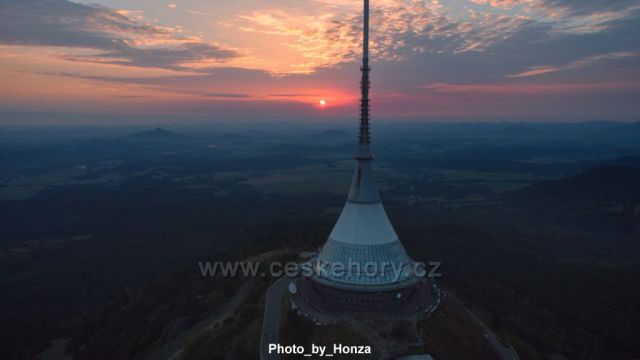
(364, 153)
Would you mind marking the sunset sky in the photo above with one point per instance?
(114, 61)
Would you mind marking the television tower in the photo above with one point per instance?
(375, 270)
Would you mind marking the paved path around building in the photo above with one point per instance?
(174, 349)
(505, 352)
(271, 318)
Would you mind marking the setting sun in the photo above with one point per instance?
(323, 102)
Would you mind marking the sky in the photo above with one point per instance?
(123, 61)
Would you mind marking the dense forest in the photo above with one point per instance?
(100, 235)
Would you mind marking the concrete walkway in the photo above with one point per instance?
(505, 352)
(272, 315)
(174, 349)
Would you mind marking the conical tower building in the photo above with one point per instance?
(363, 261)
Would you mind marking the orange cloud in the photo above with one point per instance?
(529, 89)
(540, 70)
(400, 30)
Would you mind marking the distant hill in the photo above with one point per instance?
(334, 134)
(233, 138)
(157, 135)
(602, 183)
(630, 161)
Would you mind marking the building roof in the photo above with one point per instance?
(363, 250)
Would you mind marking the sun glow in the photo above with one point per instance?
(323, 102)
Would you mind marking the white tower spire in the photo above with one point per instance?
(363, 233)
